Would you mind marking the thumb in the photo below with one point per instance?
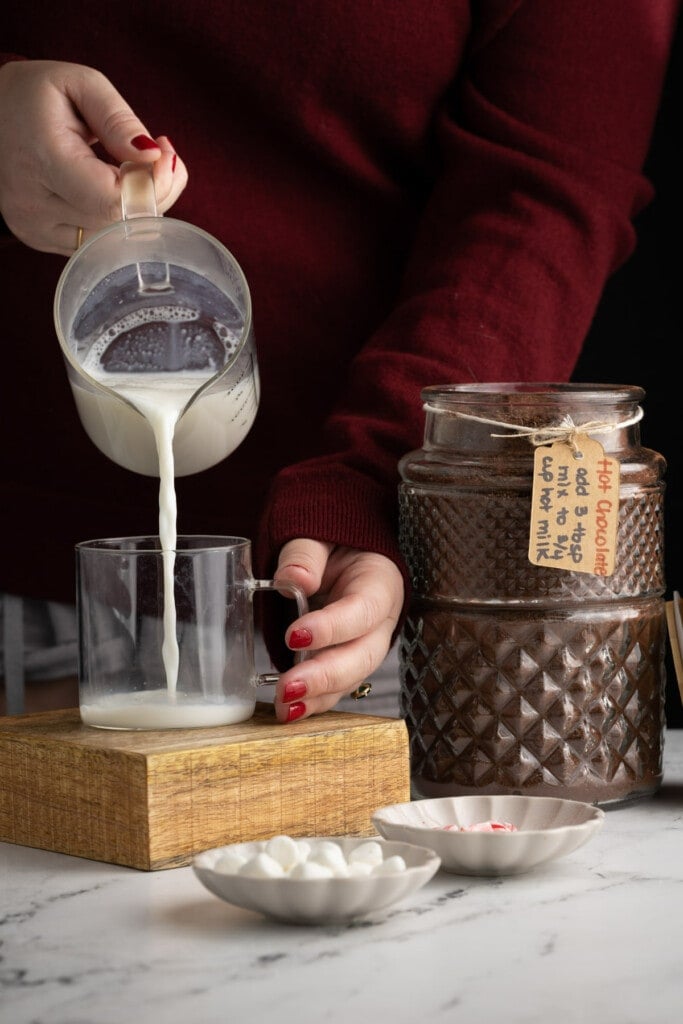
(303, 562)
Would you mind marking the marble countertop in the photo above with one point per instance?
(595, 937)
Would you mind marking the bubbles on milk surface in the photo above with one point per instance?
(159, 340)
(154, 318)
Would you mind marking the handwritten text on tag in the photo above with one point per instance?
(574, 507)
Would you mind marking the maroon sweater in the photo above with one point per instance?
(419, 193)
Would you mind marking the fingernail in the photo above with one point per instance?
(300, 638)
(174, 158)
(295, 711)
(143, 142)
(295, 689)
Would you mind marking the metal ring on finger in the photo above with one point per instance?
(361, 691)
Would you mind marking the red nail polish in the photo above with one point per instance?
(143, 142)
(295, 711)
(293, 690)
(300, 638)
(174, 161)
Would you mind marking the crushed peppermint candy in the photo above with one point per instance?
(483, 826)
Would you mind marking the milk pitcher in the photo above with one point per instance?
(155, 306)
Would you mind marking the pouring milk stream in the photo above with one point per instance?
(154, 319)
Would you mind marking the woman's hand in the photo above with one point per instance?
(356, 600)
(51, 181)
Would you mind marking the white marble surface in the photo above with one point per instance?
(595, 938)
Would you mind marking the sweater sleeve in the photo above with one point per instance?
(541, 144)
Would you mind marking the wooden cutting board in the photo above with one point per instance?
(153, 799)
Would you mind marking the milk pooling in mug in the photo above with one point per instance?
(161, 358)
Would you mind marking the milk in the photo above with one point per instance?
(161, 407)
(207, 432)
(152, 709)
(153, 433)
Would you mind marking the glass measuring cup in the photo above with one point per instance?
(154, 310)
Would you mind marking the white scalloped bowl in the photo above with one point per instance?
(548, 828)
(318, 900)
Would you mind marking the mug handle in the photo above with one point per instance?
(302, 607)
(138, 196)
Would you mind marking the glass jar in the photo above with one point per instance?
(515, 677)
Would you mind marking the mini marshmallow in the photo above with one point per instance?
(262, 865)
(285, 851)
(368, 853)
(285, 857)
(310, 869)
(328, 853)
(359, 869)
(230, 862)
(304, 848)
(390, 866)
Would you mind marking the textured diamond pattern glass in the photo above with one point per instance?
(517, 678)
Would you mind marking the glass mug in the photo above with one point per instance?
(152, 306)
(145, 665)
